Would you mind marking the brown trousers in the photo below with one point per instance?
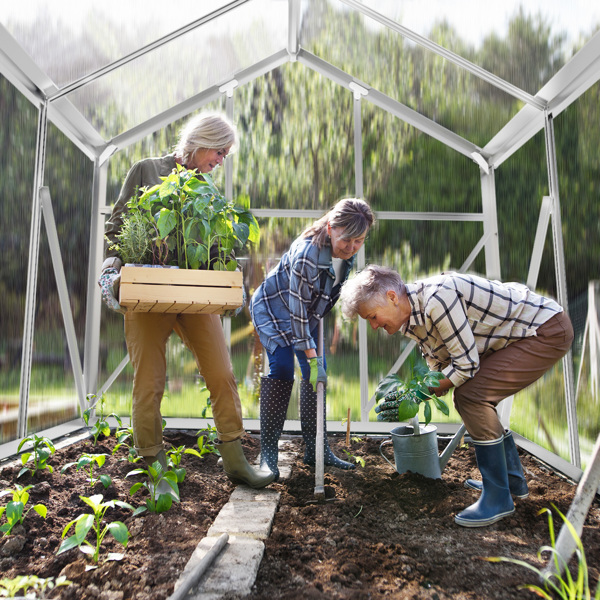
(508, 371)
(146, 335)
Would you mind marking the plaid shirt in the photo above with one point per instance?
(295, 295)
(458, 319)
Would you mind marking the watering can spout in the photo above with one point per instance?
(419, 453)
(449, 449)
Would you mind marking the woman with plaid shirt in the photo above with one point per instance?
(490, 340)
(286, 310)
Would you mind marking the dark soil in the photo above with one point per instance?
(379, 535)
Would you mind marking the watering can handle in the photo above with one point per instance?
(384, 443)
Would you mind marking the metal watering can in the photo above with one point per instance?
(419, 453)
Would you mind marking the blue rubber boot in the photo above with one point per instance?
(308, 422)
(274, 400)
(517, 483)
(495, 502)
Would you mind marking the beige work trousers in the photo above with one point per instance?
(146, 335)
(507, 372)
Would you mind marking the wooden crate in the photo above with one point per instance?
(190, 291)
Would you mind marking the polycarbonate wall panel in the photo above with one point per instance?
(296, 146)
(17, 137)
(409, 74)
(577, 133)
(209, 55)
(510, 39)
(92, 35)
(69, 178)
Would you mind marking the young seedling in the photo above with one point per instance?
(124, 436)
(88, 461)
(206, 440)
(357, 459)
(174, 456)
(86, 522)
(15, 510)
(161, 485)
(101, 426)
(42, 449)
(17, 587)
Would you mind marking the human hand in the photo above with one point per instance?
(236, 311)
(388, 410)
(317, 371)
(109, 281)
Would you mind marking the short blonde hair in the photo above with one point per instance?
(205, 130)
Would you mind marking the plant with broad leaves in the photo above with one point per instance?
(101, 426)
(195, 222)
(174, 456)
(15, 512)
(161, 485)
(357, 459)
(88, 461)
(16, 587)
(560, 583)
(124, 435)
(86, 522)
(42, 449)
(402, 398)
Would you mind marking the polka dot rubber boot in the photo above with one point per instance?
(308, 421)
(274, 399)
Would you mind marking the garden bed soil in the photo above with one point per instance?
(379, 534)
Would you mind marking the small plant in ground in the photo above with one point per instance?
(124, 436)
(357, 459)
(101, 426)
(206, 440)
(15, 512)
(88, 461)
(12, 588)
(42, 449)
(174, 456)
(559, 585)
(86, 522)
(403, 398)
(161, 485)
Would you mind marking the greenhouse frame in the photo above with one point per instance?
(62, 103)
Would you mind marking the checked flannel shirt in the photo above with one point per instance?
(457, 318)
(295, 295)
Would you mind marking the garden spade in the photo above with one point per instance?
(320, 440)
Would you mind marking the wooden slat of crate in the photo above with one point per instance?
(145, 289)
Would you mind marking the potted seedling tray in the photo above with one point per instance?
(190, 291)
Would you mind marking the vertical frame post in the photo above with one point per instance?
(561, 285)
(32, 270)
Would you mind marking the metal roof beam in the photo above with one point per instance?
(394, 107)
(455, 59)
(184, 108)
(577, 76)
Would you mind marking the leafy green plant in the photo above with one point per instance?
(135, 239)
(86, 522)
(15, 512)
(174, 456)
(42, 449)
(403, 397)
(10, 588)
(101, 426)
(192, 217)
(357, 459)
(124, 435)
(88, 461)
(557, 585)
(206, 440)
(160, 483)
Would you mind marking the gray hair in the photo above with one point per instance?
(352, 214)
(370, 286)
(205, 130)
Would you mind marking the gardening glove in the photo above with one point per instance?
(388, 409)
(317, 371)
(109, 281)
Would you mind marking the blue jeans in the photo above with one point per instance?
(281, 362)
